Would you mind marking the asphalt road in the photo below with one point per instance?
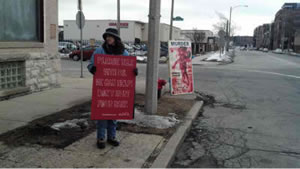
(255, 122)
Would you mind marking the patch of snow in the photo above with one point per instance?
(219, 58)
(154, 121)
(75, 123)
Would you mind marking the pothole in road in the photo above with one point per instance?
(210, 100)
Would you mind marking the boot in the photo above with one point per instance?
(101, 143)
(113, 142)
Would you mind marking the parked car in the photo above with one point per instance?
(87, 53)
(278, 51)
(265, 50)
(66, 47)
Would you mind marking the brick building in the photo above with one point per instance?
(202, 40)
(286, 26)
(243, 40)
(262, 36)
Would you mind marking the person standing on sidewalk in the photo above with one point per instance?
(112, 46)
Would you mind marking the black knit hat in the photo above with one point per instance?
(112, 32)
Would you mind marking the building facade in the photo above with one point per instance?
(286, 26)
(262, 36)
(130, 30)
(200, 39)
(243, 40)
(29, 60)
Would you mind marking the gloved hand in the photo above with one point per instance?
(93, 70)
(135, 71)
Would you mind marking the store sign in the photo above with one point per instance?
(113, 88)
(122, 25)
(181, 67)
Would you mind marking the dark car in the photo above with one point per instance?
(87, 53)
(164, 50)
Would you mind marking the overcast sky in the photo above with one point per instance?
(200, 14)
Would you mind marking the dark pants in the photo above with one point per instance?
(109, 125)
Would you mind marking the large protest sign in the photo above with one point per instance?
(181, 67)
(113, 88)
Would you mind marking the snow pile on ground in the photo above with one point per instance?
(75, 123)
(154, 121)
(216, 57)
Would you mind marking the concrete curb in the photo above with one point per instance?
(167, 155)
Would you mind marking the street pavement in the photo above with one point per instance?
(256, 120)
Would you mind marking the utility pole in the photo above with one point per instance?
(118, 14)
(153, 54)
(171, 20)
(229, 30)
(227, 37)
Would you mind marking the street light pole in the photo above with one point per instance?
(171, 20)
(230, 14)
(118, 14)
(153, 54)
(229, 30)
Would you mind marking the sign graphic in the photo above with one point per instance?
(113, 88)
(181, 67)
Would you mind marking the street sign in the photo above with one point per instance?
(221, 40)
(80, 19)
(221, 33)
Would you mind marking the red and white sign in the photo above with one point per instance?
(181, 67)
(122, 25)
(113, 88)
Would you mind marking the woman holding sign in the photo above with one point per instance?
(112, 46)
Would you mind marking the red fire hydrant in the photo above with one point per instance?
(161, 83)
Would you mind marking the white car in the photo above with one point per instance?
(278, 51)
(265, 50)
(65, 47)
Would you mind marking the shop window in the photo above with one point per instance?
(21, 20)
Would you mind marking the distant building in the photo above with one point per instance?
(262, 36)
(130, 30)
(243, 40)
(286, 25)
(200, 39)
(29, 59)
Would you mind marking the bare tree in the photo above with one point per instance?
(221, 24)
(196, 36)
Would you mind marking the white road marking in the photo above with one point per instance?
(255, 71)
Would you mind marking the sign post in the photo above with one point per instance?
(113, 88)
(80, 21)
(221, 41)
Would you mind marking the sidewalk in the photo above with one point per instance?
(134, 151)
(19, 111)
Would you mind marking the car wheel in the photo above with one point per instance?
(76, 58)
(63, 51)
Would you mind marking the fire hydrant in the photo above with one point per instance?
(161, 83)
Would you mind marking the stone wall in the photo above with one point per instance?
(42, 71)
(42, 61)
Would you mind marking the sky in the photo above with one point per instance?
(199, 14)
